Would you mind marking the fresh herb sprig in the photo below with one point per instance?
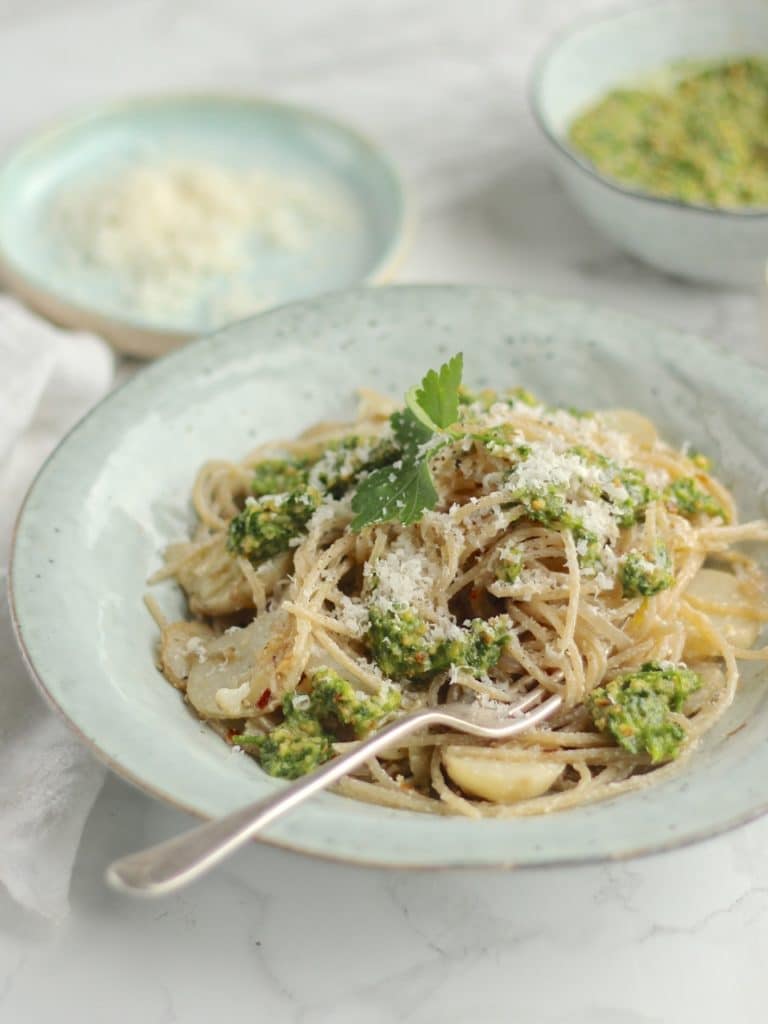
(435, 402)
(404, 490)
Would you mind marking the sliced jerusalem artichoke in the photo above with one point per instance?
(239, 667)
(182, 645)
(715, 587)
(501, 781)
(275, 661)
(212, 579)
(214, 582)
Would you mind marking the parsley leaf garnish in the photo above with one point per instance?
(402, 491)
(435, 402)
(400, 494)
(409, 432)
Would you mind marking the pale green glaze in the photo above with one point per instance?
(116, 492)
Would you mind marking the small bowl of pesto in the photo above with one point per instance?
(658, 124)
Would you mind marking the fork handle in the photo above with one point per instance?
(168, 866)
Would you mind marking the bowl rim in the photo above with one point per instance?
(381, 271)
(538, 72)
(727, 823)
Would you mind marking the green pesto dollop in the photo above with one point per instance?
(402, 646)
(685, 497)
(268, 524)
(294, 747)
(304, 739)
(703, 140)
(639, 496)
(629, 508)
(634, 708)
(643, 576)
(335, 703)
(547, 505)
(279, 476)
(623, 488)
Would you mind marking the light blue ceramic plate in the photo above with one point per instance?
(115, 493)
(351, 232)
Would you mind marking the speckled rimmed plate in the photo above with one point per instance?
(115, 493)
(352, 217)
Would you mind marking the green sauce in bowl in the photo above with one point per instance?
(703, 139)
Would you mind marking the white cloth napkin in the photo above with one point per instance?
(48, 781)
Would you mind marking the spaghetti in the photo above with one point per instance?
(468, 547)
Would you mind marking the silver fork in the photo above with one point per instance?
(176, 862)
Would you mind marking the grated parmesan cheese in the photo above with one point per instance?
(403, 576)
(600, 518)
(547, 465)
(529, 583)
(164, 231)
(352, 614)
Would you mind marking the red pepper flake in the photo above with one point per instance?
(264, 699)
(474, 594)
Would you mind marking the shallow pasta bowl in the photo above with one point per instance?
(115, 493)
(593, 57)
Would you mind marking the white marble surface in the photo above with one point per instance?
(676, 939)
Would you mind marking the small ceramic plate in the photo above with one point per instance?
(116, 492)
(345, 228)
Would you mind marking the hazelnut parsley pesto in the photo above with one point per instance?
(701, 139)
(471, 545)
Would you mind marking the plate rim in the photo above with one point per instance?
(308, 846)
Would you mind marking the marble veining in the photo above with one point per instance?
(676, 939)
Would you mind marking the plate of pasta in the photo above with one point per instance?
(277, 540)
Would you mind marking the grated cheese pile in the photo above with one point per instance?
(166, 229)
(402, 576)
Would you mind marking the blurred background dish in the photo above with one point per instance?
(156, 220)
(725, 245)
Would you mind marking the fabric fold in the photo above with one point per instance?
(48, 779)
